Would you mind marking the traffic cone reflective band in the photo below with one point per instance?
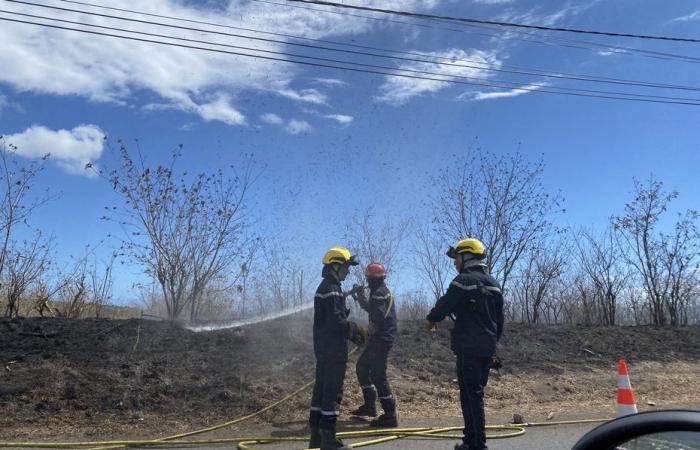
(626, 404)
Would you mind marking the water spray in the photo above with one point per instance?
(264, 318)
(252, 320)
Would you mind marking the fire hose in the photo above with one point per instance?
(377, 436)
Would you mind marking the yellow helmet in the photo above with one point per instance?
(340, 255)
(468, 245)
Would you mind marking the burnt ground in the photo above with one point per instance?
(110, 378)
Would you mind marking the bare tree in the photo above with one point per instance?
(187, 231)
(101, 285)
(17, 180)
(681, 259)
(544, 266)
(663, 261)
(46, 288)
(601, 260)
(278, 281)
(500, 200)
(414, 305)
(376, 241)
(433, 266)
(25, 264)
(75, 290)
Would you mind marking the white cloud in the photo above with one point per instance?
(305, 95)
(502, 94)
(695, 15)
(340, 118)
(493, 2)
(65, 63)
(298, 126)
(330, 82)
(399, 90)
(536, 16)
(221, 110)
(272, 119)
(70, 149)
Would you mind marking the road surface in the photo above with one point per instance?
(556, 437)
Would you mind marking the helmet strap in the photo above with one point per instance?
(469, 260)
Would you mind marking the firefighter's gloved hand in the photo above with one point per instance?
(496, 363)
(358, 334)
(358, 293)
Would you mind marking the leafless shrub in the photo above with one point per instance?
(666, 263)
(187, 231)
(500, 200)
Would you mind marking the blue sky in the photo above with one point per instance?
(331, 143)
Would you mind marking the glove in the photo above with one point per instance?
(358, 293)
(358, 334)
(496, 363)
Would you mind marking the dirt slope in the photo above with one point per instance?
(108, 378)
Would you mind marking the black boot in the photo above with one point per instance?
(315, 440)
(369, 409)
(314, 423)
(329, 441)
(388, 419)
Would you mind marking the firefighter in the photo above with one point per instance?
(475, 302)
(331, 331)
(371, 365)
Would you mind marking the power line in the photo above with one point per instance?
(488, 67)
(495, 22)
(602, 94)
(502, 84)
(568, 43)
(590, 45)
(538, 72)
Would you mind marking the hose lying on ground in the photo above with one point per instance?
(245, 443)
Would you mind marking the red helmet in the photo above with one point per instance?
(375, 270)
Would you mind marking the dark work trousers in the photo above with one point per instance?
(371, 367)
(473, 374)
(328, 392)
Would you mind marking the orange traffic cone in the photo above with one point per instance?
(626, 404)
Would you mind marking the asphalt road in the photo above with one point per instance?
(556, 437)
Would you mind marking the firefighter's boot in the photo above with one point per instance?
(369, 409)
(314, 424)
(315, 440)
(329, 441)
(388, 419)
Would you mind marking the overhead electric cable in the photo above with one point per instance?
(501, 83)
(564, 42)
(602, 94)
(496, 22)
(568, 43)
(481, 65)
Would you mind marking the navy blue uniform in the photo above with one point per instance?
(330, 331)
(371, 365)
(475, 302)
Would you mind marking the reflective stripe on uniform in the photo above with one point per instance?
(380, 297)
(329, 294)
(470, 287)
(493, 288)
(371, 386)
(315, 408)
(330, 413)
(391, 303)
(386, 398)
